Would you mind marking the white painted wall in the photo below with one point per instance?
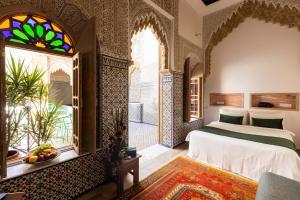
(256, 57)
(190, 23)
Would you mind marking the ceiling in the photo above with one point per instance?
(203, 10)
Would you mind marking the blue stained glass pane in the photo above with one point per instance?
(31, 22)
(66, 47)
(7, 34)
(16, 24)
(47, 27)
(59, 36)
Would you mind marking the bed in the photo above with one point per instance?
(246, 150)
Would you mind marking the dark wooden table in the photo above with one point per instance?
(127, 166)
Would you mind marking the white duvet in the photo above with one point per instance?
(247, 158)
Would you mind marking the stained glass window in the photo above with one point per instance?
(36, 30)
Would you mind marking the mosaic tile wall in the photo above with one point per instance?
(113, 93)
(167, 107)
(60, 182)
(180, 129)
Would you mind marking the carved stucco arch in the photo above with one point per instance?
(151, 20)
(67, 15)
(268, 12)
(194, 59)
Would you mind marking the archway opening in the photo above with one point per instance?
(144, 90)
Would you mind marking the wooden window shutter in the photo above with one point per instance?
(186, 91)
(86, 45)
(3, 139)
(76, 101)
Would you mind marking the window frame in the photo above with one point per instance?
(70, 147)
(86, 44)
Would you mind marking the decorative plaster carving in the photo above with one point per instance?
(141, 16)
(188, 49)
(286, 13)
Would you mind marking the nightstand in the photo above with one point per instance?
(127, 166)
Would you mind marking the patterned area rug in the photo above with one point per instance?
(184, 179)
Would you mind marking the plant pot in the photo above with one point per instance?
(12, 154)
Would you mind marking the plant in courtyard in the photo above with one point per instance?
(21, 86)
(43, 116)
(28, 109)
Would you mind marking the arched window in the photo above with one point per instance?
(37, 31)
(31, 37)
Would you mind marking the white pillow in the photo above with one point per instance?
(236, 113)
(267, 115)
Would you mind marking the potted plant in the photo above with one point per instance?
(21, 87)
(117, 146)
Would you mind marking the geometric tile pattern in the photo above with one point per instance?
(113, 94)
(66, 180)
(180, 129)
(167, 111)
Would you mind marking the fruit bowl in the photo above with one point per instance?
(42, 154)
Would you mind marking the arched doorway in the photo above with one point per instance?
(149, 54)
(144, 90)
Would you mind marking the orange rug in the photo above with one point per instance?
(183, 179)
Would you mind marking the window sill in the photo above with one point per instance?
(24, 168)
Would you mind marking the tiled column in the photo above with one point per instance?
(167, 110)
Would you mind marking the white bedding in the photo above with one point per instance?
(247, 158)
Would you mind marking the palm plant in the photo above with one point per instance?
(21, 86)
(27, 96)
(43, 117)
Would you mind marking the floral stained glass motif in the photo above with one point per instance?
(36, 30)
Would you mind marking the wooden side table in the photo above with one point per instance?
(127, 166)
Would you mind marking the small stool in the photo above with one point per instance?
(127, 166)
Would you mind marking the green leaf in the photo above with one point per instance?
(40, 30)
(16, 41)
(20, 34)
(50, 35)
(56, 43)
(29, 30)
(59, 49)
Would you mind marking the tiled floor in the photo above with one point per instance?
(148, 164)
(142, 135)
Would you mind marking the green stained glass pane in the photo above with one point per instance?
(56, 43)
(59, 49)
(40, 30)
(16, 41)
(29, 30)
(50, 35)
(20, 34)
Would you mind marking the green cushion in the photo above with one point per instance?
(231, 119)
(274, 187)
(267, 123)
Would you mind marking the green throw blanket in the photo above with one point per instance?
(255, 138)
